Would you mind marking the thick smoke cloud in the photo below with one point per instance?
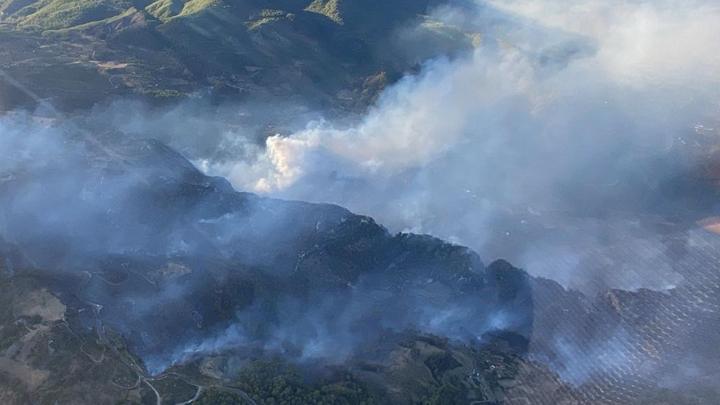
(183, 266)
(565, 124)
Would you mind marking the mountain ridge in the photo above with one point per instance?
(161, 52)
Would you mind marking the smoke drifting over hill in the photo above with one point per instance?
(562, 115)
(183, 266)
(546, 143)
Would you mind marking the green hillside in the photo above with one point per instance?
(56, 14)
(75, 53)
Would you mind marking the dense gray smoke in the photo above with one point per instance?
(563, 128)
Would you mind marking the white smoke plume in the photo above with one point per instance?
(559, 109)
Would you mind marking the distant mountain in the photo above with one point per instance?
(73, 53)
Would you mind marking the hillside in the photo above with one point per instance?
(73, 53)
